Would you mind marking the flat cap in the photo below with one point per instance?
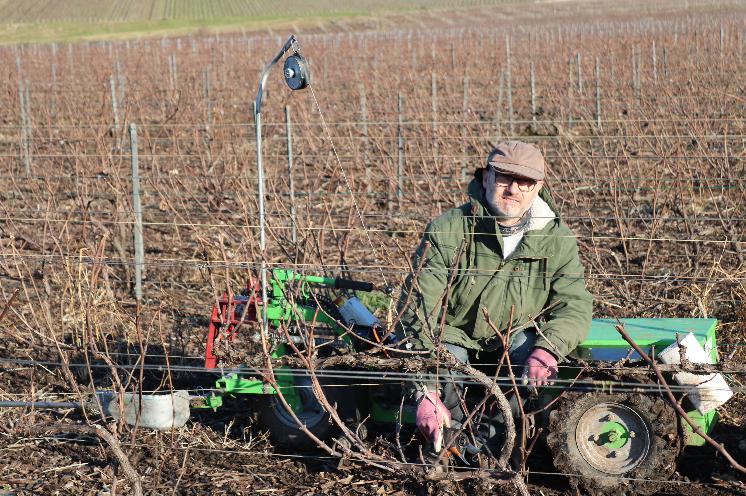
(517, 158)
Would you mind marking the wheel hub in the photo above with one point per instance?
(612, 438)
(614, 435)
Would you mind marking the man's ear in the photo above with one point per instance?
(539, 184)
(485, 177)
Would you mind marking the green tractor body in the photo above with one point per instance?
(613, 429)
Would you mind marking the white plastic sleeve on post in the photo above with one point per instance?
(707, 391)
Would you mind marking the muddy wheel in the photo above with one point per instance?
(285, 431)
(623, 443)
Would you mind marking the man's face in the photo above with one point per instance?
(509, 197)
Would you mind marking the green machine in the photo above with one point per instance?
(653, 335)
(607, 418)
(617, 432)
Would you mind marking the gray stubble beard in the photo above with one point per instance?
(502, 216)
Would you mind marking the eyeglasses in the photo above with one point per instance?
(524, 184)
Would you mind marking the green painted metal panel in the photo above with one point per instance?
(234, 384)
(647, 331)
(706, 422)
(391, 415)
(605, 343)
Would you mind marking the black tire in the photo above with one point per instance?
(638, 471)
(284, 430)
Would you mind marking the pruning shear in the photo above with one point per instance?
(461, 449)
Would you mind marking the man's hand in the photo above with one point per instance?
(540, 368)
(432, 416)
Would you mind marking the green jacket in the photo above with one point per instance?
(543, 271)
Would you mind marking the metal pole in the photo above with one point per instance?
(53, 104)
(722, 42)
(206, 84)
(115, 109)
(70, 59)
(288, 129)
(174, 73)
(598, 93)
(400, 149)
(533, 95)
(639, 76)
(498, 116)
(139, 248)
(260, 178)
(24, 129)
(171, 71)
(27, 101)
(433, 99)
(434, 110)
(120, 77)
(634, 72)
(364, 116)
(262, 242)
(510, 86)
(464, 112)
(569, 94)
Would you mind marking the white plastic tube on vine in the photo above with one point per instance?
(708, 391)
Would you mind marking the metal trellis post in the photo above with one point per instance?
(291, 183)
(400, 150)
(533, 95)
(509, 86)
(136, 206)
(364, 117)
(598, 93)
(434, 111)
(115, 110)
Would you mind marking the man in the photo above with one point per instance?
(505, 253)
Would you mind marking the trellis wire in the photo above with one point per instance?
(384, 376)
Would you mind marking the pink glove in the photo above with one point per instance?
(432, 416)
(541, 367)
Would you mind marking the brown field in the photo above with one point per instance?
(640, 115)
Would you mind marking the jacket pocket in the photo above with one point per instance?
(544, 267)
(519, 284)
(537, 276)
(461, 294)
(513, 296)
(534, 287)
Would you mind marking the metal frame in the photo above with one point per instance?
(289, 44)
